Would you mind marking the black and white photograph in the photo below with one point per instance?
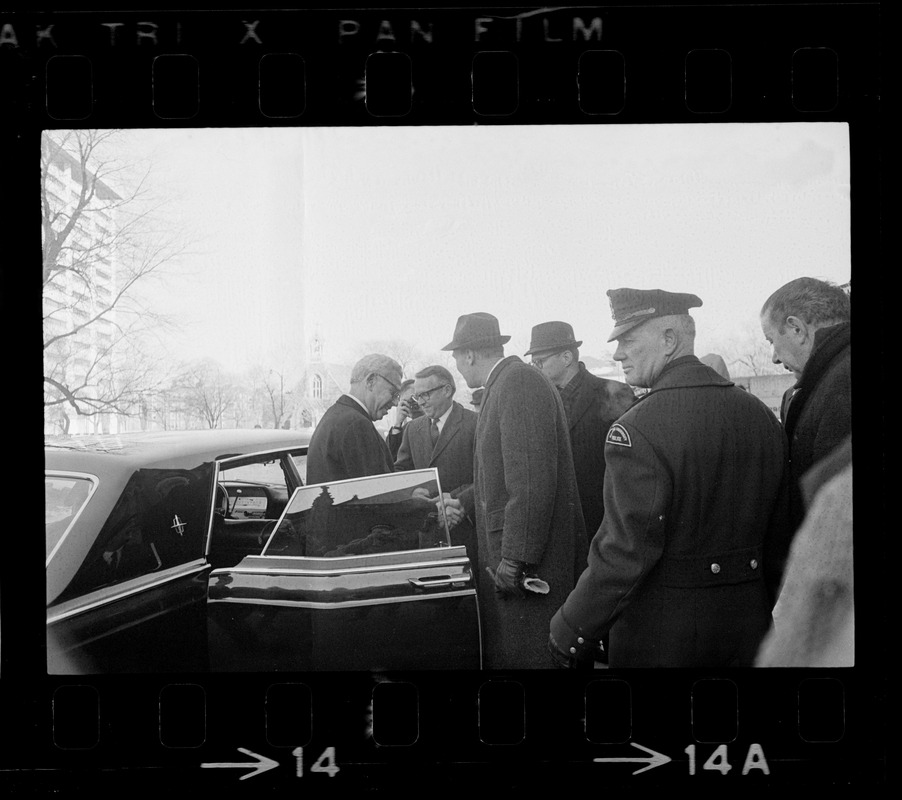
(542, 397)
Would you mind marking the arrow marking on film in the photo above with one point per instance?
(656, 760)
(263, 764)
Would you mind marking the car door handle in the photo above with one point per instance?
(438, 580)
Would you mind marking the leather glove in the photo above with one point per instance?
(508, 576)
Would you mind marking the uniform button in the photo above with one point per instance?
(715, 568)
(573, 650)
(754, 563)
(580, 640)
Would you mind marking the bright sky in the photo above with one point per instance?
(392, 233)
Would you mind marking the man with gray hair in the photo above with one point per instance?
(807, 322)
(685, 567)
(345, 444)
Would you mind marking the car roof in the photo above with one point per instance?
(144, 448)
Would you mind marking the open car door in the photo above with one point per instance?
(359, 574)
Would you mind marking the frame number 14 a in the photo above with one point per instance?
(718, 761)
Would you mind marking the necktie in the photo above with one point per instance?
(433, 431)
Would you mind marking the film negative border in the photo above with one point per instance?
(314, 732)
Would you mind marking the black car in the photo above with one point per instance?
(204, 551)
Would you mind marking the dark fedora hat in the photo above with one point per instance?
(552, 336)
(474, 331)
(632, 307)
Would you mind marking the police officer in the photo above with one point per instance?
(683, 571)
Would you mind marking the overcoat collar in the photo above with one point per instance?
(584, 397)
(350, 402)
(686, 372)
(499, 367)
(828, 344)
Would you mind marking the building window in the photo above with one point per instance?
(317, 387)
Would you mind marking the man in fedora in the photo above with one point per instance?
(529, 524)
(684, 570)
(345, 444)
(591, 404)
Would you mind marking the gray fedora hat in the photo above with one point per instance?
(552, 336)
(476, 330)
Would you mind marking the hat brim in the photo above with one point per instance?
(544, 347)
(621, 329)
(476, 344)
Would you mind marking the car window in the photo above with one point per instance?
(64, 498)
(265, 472)
(159, 521)
(376, 514)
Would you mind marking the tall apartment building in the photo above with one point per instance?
(83, 288)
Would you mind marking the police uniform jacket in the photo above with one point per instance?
(345, 444)
(817, 411)
(527, 509)
(595, 404)
(452, 456)
(684, 570)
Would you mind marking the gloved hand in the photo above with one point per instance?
(508, 576)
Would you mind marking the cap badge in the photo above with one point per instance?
(642, 312)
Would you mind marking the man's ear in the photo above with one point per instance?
(798, 328)
(670, 340)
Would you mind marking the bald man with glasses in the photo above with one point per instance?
(444, 438)
(345, 444)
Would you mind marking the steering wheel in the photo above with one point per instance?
(221, 507)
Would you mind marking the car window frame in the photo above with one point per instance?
(94, 484)
(285, 456)
(338, 559)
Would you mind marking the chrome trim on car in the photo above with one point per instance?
(344, 604)
(108, 595)
(321, 573)
(94, 481)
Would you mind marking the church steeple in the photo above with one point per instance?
(316, 348)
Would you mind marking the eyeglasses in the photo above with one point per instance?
(538, 362)
(396, 390)
(422, 397)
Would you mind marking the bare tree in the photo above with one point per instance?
(101, 237)
(206, 392)
(749, 353)
(409, 356)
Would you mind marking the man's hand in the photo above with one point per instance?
(402, 412)
(452, 508)
(508, 576)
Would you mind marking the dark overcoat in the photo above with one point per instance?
(686, 565)
(527, 509)
(452, 456)
(345, 444)
(595, 405)
(817, 411)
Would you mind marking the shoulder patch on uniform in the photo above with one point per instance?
(618, 435)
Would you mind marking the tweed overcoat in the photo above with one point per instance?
(596, 404)
(345, 444)
(527, 509)
(685, 568)
(817, 411)
(452, 456)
